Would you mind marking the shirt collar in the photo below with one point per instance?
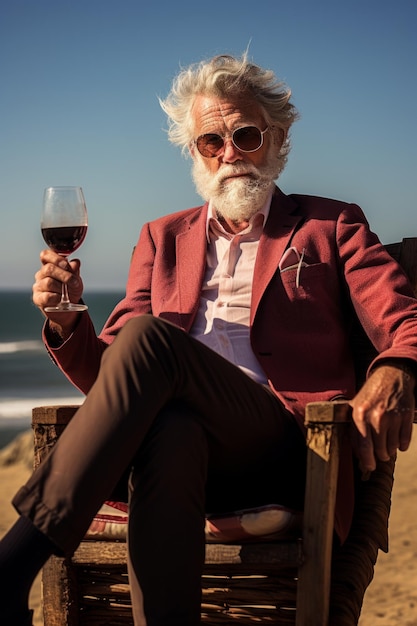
(211, 215)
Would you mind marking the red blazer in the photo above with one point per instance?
(300, 330)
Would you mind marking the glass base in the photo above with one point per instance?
(66, 308)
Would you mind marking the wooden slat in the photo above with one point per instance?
(278, 554)
(107, 553)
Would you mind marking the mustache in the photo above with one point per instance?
(238, 168)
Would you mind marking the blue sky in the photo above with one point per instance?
(79, 86)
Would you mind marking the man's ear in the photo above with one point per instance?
(281, 136)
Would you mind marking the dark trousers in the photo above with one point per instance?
(198, 434)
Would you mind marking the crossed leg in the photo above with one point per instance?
(197, 431)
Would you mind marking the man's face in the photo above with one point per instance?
(237, 182)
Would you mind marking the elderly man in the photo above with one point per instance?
(237, 313)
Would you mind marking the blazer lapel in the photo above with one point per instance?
(275, 238)
(191, 250)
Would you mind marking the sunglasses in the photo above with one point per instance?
(245, 139)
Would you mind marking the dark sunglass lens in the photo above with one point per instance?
(248, 138)
(209, 145)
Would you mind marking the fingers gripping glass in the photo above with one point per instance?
(64, 227)
(245, 139)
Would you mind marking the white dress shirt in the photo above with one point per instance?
(222, 320)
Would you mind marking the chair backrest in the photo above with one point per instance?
(405, 253)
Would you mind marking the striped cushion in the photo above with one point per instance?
(271, 520)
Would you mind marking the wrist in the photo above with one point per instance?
(56, 334)
(407, 366)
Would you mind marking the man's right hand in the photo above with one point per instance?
(47, 289)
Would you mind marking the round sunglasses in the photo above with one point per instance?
(245, 139)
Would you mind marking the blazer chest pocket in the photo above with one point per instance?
(304, 281)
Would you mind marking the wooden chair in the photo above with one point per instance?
(307, 580)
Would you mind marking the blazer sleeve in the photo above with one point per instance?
(80, 355)
(379, 289)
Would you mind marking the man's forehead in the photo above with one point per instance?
(211, 110)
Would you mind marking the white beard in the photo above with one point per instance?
(236, 199)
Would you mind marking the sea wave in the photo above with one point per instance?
(30, 345)
(18, 409)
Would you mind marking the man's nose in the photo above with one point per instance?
(230, 152)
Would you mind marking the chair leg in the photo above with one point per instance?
(60, 593)
(313, 591)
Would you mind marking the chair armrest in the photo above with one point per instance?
(48, 422)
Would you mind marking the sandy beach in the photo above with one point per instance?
(391, 599)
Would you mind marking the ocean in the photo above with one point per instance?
(28, 377)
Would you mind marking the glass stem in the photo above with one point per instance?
(64, 295)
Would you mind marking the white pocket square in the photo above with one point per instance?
(292, 260)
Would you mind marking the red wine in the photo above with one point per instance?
(64, 239)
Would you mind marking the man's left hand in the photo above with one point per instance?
(383, 413)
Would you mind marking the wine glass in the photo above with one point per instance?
(64, 227)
